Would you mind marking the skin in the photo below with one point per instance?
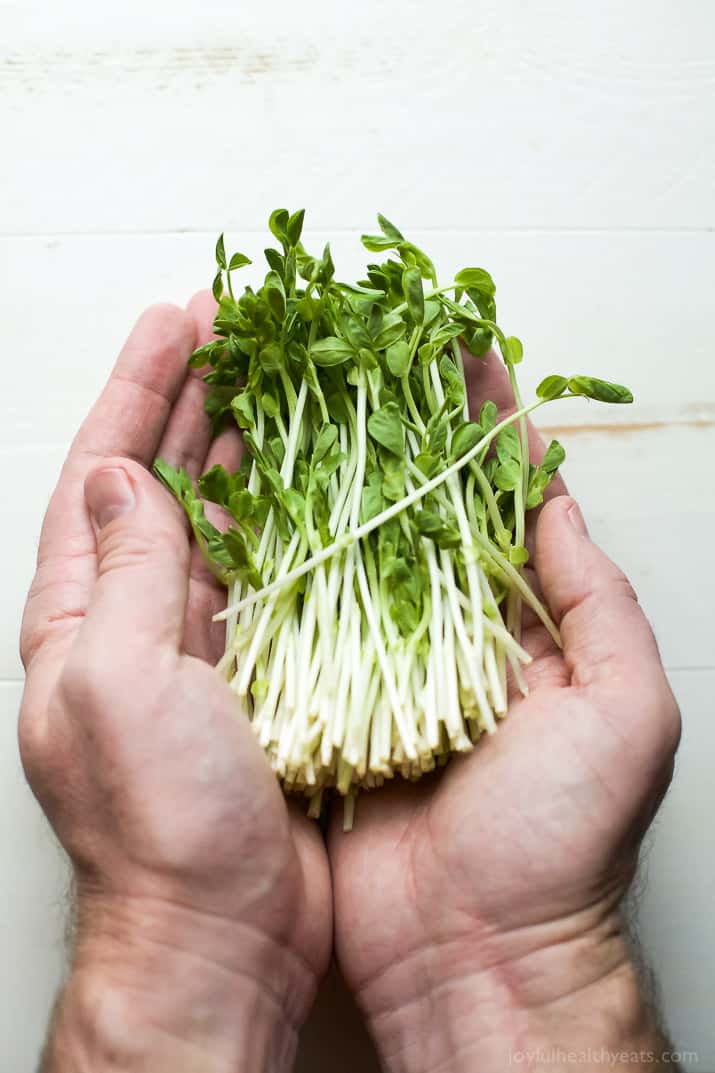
(205, 903)
(477, 913)
(189, 865)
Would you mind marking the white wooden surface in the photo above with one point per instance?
(569, 148)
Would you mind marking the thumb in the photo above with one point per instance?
(606, 637)
(142, 582)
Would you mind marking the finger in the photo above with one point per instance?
(127, 420)
(187, 435)
(131, 413)
(204, 638)
(609, 646)
(138, 602)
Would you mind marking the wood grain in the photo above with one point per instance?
(496, 115)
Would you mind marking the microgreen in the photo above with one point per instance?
(377, 537)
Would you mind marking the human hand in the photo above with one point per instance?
(477, 911)
(204, 902)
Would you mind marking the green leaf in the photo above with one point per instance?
(436, 438)
(465, 438)
(552, 387)
(508, 445)
(176, 480)
(508, 475)
(392, 329)
(538, 482)
(353, 329)
(600, 390)
(377, 243)
(275, 260)
(518, 555)
(270, 404)
(270, 358)
(214, 485)
(432, 525)
(278, 222)
(295, 505)
(476, 279)
(487, 416)
(372, 501)
(275, 295)
(326, 438)
(454, 381)
(217, 285)
(428, 464)
(389, 229)
(393, 477)
(446, 334)
(331, 351)
(327, 268)
(242, 406)
(202, 356)
(294, 227)
(385, 427)
(363, 292)
(478, 341)
(335, 401)
(398, 358)
(238, 261)
(514, 350)
(221, 253)
(414, 294)
(237, 548)
(554, 457)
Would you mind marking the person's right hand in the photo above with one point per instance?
(204, 901)
(477, 911)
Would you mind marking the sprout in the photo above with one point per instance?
(374, 558)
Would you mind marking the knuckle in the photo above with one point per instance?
(84, 684)
(672, 723)
(172, 325)
(33, 737)
(124, 546)
(54, 607)
(623, 586)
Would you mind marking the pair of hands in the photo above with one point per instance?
(474, 915)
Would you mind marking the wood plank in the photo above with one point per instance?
(502, 114)
(34, 884)
(677, 881)
(630, 307)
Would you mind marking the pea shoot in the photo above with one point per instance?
(374, 562)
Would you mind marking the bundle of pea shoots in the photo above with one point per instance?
(374, 559)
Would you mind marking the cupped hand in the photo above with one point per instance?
(138, 752)
(473, 898)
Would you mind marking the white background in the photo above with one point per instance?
(567, 147)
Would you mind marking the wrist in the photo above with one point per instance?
(154, 988)
(540, 1002)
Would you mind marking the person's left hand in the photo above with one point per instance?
(204, 901)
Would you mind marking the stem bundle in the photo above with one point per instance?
(374, 560)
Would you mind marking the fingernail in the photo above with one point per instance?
(576, 518)
(109, 494)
